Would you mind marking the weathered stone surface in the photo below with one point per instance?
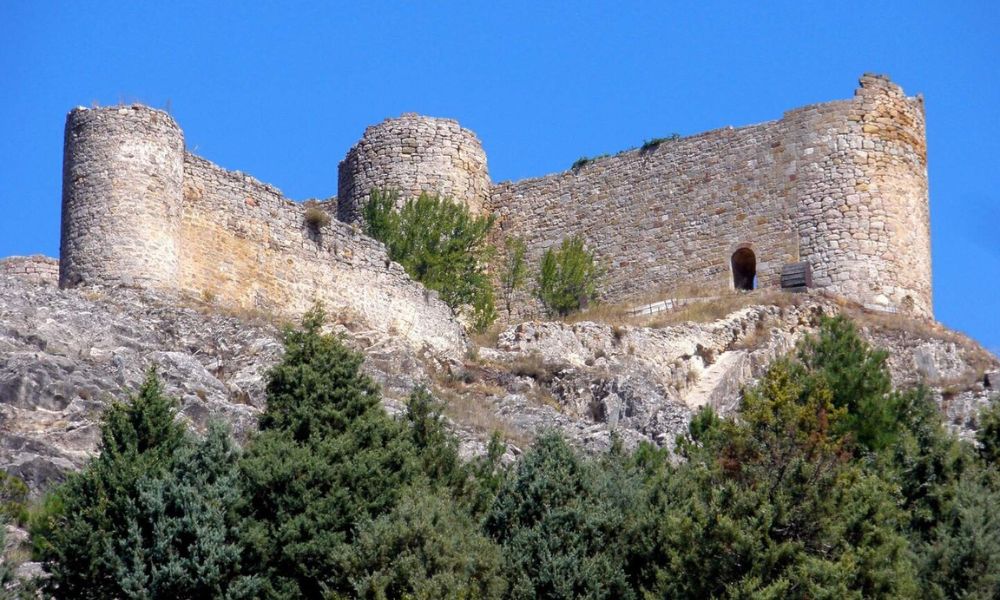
(814, 186)
(140, 211)
(36, 268)
(652, 380)
(410, 155)
(65, 354)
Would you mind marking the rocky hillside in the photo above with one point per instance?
(65, 354)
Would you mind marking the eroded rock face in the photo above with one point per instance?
(651, 380)
(65, 354)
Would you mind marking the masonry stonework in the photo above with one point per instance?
(413, 154)
(36, 268)
(139, 210)
(840, 185)
(123, 170)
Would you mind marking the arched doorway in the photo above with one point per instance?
(744, 264)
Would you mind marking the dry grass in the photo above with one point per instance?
(754, 339)
(699, 303)
(708, 310)
(467, 401)
(488, 338)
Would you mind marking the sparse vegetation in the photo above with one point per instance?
(316, 217)
(514, 273)
(586, 160)
(653, 144)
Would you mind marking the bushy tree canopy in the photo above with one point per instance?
(441, 244)
(567, 278)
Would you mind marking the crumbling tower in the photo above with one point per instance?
(123, 170)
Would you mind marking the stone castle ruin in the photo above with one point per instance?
(838, 189)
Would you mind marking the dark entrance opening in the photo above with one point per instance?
(744, 269)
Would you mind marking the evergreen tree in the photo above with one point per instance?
(770, 506)
(426, 547)
(327, 460)
(150, 516)
(858, 379)
(962, 557)
(560, 521)
(988, 435)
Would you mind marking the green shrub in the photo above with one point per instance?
(515, 271)
(441, 245)
(13, 499)
(567, 278)
(586, 160)
(653, 144)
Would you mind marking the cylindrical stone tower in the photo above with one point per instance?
(864, 220)
(123, 170)
(410, 155)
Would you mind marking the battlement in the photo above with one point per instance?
(840, 185)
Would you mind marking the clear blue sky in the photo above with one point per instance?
(282, 90)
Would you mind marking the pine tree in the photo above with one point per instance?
(150, 516)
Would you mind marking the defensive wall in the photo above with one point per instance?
(840, 185)
(139, 210)
(36, 268)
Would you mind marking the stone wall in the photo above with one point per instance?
(35, 268)
(841, 184)
(246, 244)
(410, 155)
(139, 210)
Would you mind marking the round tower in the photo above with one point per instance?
(864, 221)
(410, 155)
(123, 170)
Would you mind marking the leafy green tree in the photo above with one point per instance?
(148, 517)
(514, 272)
(440, 244)
(567, 277)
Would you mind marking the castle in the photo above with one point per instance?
(839, 186)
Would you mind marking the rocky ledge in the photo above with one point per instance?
(65, 354)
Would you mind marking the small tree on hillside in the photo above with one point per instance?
(515, 271)
(567, 278)
(150, 517)
(440, 244)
